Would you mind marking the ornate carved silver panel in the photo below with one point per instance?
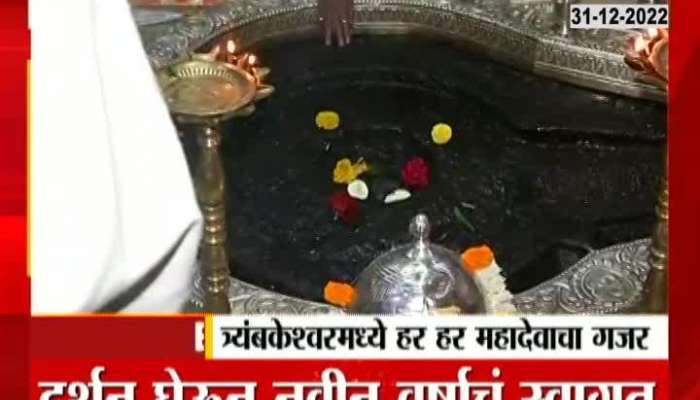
(525, 33)
(249, 299)
(605, 281)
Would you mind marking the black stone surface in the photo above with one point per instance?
(541, 171)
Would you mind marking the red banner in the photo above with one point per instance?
(267, 374)
(139, 349)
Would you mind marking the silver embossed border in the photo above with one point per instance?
(520, 33)
(606, 281)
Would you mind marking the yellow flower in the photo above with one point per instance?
(345, 171)
(360, 167)
(327, 120)
(441, 133)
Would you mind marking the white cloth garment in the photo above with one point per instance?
(114, 221)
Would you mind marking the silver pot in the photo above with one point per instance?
(417, 278)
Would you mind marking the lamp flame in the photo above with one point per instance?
(647, 53)
(639, 44)
(231, 47)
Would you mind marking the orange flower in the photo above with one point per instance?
(339, 294)
(477, 258)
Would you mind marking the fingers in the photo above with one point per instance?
(337, 23)
(336, 18)
(324, 19)
(350, 12)
(346, 30)
(328, 32)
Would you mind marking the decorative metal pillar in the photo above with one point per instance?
(562, 16)
(655, 296)
(210, 187)
(647, 53)
(204, 93)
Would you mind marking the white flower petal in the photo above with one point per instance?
(358, 189)
(397, 195)
(493, 286)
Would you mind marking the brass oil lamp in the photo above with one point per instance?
(203, 92)
(647, 53)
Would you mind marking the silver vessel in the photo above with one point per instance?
(417, 278)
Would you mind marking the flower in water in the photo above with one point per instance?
(396, 196)
(346, 208)
(441, 133)
(358, 189)
(327, 120)
(360, 166)
(339, 294)
(416, 173)
(477, 258)
(345, 171)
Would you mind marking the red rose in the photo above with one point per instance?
(416, 173)
(345, 207)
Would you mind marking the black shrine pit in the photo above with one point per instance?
(539, 170)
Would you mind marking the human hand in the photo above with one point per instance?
(336, 18)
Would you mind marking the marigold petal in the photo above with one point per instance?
(339, 294)
(477, 258)
(360, 167)
(327, 120)
(344, 171)
(441, 133)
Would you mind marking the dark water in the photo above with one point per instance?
(549, 169)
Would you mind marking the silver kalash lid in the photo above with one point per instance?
(417, 278)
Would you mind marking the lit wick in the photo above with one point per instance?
(231, 46)
(639, 44)
(231, 51)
